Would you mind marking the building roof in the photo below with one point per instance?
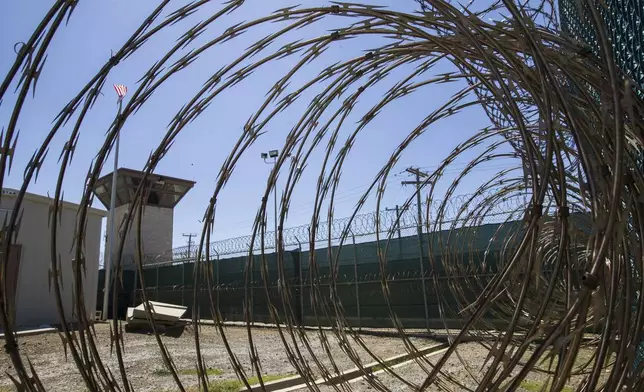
(164, 191)
(13, 193)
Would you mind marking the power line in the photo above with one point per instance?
(189, 235)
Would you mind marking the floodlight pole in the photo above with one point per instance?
(110, 225)
(273, 162)
(275, 213)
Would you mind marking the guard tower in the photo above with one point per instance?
(156, 225)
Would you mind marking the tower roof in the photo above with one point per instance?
(164, 191)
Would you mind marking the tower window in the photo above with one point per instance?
(153, 198)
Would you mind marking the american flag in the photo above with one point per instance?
(121, 90)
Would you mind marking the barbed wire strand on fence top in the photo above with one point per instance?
(539, 91)
(361, 225)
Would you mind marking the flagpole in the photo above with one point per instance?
(110, 229)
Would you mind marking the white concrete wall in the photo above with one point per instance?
(156, 231)
(35, 303)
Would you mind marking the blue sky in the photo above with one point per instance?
(97, 27)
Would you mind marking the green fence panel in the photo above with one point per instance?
(358, 292)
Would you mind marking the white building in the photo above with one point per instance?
(28, 275)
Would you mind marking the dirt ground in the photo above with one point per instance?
(146, 371)
(474, 355)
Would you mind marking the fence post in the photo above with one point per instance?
(136, 276)
(156, 287)
(183, 280)
(300, 296)
(311, 255)
(252, 288)
(295, 256)
(301, 286)
(420, 252)
(399, 234)
(355, 279)
(217, 282)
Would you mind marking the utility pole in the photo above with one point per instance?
(418, 174)
(419, 229)
(183, 265)
(189, 235)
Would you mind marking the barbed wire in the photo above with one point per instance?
(360, 225)
(574, 149)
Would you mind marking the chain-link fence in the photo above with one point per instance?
(623, 20)
(625, 30)
(417, 266)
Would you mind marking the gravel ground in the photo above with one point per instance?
(146, 371)
(144, 365)
(474, 355)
